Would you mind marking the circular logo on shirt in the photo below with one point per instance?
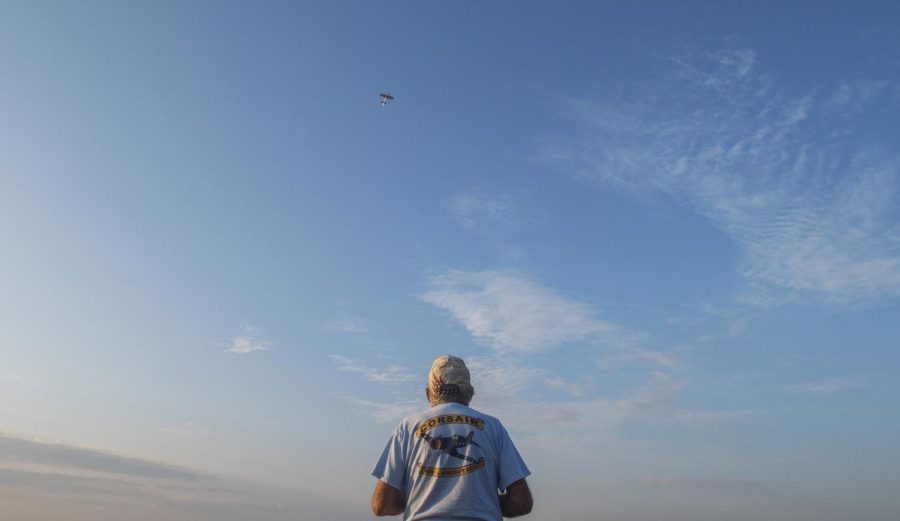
(456, 446)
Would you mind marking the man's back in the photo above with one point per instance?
(450, 460)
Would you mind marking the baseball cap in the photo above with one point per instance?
(449, 375)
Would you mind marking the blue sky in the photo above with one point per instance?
(665, 237)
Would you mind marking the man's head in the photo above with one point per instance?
(449, 381)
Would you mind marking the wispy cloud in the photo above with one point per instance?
(796, 179)
(373, 373)
(352, 325)
(829, 385)
(513, 313)
(579, 427)
(249, 342)
(661, 388)
(572, 387)
(658, 358)
(709, 417)
(478, 209)
(584, 418)
(583, 426)
(390, 411)
(502, 377)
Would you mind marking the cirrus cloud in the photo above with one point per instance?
(249, 342)
(512, 312)
(801, 182)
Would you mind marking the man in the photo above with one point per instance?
(451, 461)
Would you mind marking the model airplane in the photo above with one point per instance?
(385, 98)
(449, 444)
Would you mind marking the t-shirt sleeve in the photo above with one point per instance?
(391, 466)
(511, 467)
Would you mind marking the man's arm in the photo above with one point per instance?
(517, 501)
(387, 500)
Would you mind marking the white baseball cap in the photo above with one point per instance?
(449, 375)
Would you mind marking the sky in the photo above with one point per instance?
(665, 236)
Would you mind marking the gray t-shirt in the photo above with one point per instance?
(450, 461)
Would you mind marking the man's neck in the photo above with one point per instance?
(435, 404)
